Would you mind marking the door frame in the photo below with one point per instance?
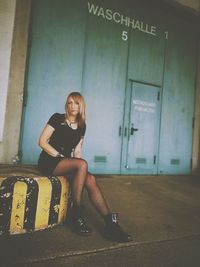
(126, 123)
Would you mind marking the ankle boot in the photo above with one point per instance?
(77, 221)
(113, 230)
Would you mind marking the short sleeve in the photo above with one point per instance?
(54, 120)
(83, 130)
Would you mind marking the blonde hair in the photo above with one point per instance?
(81, 117)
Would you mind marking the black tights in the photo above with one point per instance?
(81, 178)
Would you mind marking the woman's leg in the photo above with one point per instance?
(80, 169)
(96, 195)
(82, 178)
(112, 229)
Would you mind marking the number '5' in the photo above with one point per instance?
(125, 35)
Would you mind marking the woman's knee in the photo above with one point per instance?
(82, 164)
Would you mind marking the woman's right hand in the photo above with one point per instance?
(59, 155)
(44, 141)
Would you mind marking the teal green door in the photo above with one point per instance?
(142, 131)
(73, 49)
(104, 82)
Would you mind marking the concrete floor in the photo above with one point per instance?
(183, 252)
(159, 211)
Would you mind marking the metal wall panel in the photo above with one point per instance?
(104, 89)
(55, 65)
(142, 133)
(178, 98)
(147, 45)
(145, 72)
(102, 48)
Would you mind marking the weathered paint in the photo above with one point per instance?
(57, 37)
(30, 204)
(43, 206)
(18, 207)
(7, 13)
(178, 98)
(13, 116)
(104, 83)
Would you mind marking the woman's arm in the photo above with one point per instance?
(44, 141)
(77, 150)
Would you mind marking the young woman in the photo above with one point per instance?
(61, 141)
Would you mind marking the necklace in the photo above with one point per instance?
(72, 124)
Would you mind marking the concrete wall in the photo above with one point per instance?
(196, 138)
(13, 49)
(7, 13)
(194, 4)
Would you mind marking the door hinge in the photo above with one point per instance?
(193, 121)
(24, 98)
(191, 163)
(154, 159)
(158, 96)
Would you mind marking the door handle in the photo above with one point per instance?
(132, 130)
(125, 131)
(120, 130)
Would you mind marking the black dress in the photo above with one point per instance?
(64, 139)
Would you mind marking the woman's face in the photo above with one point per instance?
(73, 107)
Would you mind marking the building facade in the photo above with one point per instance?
(135, 62)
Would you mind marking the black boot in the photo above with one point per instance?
(113, 230)
(77, 221)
